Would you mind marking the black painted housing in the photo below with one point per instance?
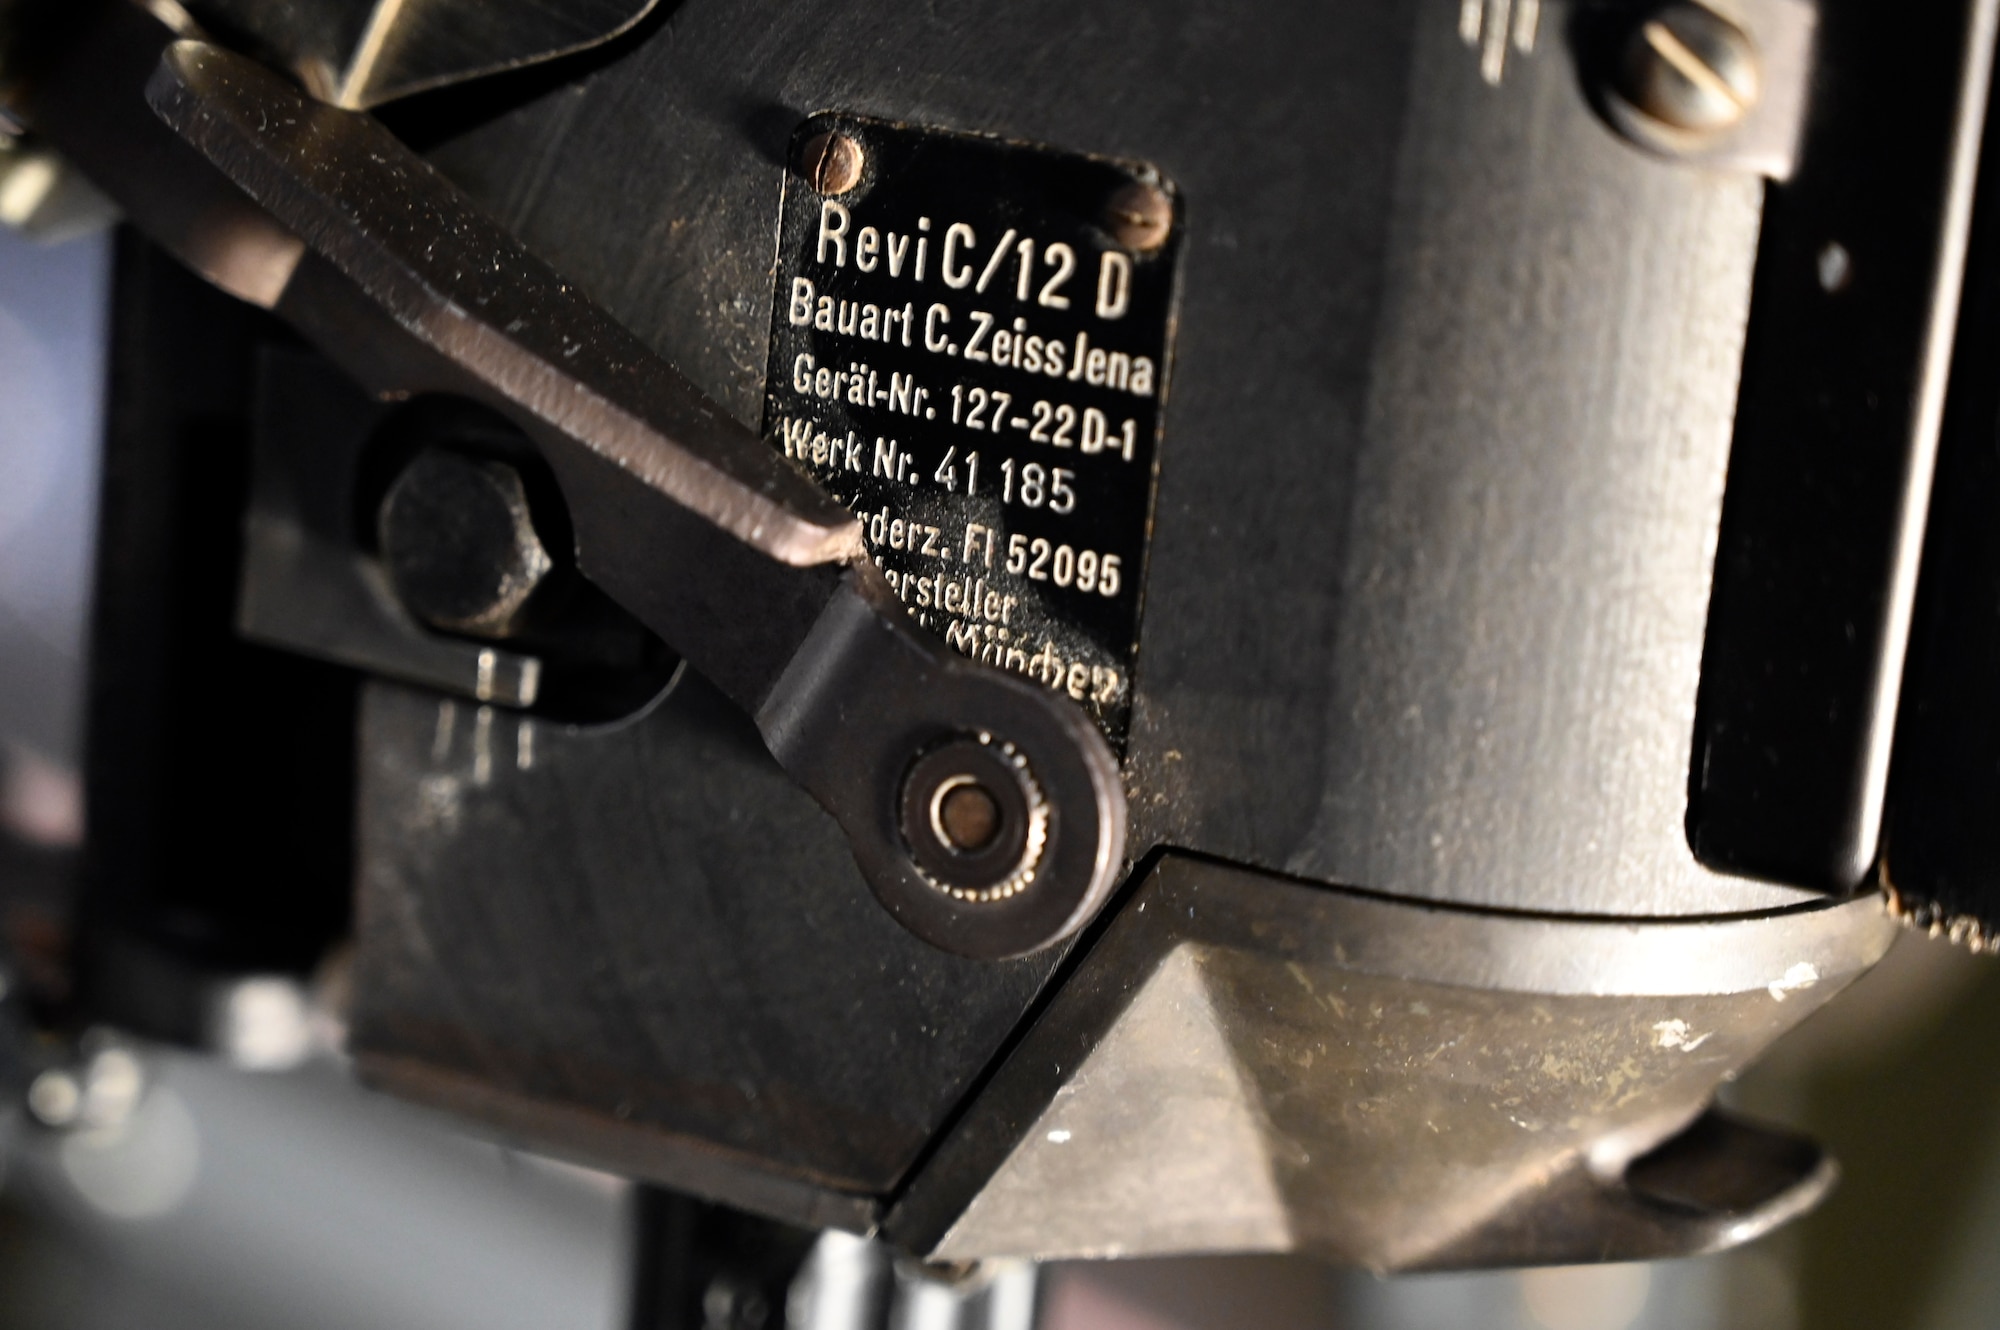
(1942, 841)
(664, 957)
(1802, 633)
(219, 774)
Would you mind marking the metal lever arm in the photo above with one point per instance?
(757, 577)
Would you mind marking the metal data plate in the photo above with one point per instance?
(963, 353)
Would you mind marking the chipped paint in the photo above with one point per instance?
(1677, 1034)
(1802, 975)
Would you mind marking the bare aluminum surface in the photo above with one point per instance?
(1575, 509)
(362, 53)
(1244, 1063)
(1535, 510)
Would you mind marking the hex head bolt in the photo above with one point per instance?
(460, 544)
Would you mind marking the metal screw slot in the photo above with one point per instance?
(1139, 216)
(1690, 70)
(831, 162)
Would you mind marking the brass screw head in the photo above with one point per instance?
(1139, 216)
(1690, 69)
(831, 162)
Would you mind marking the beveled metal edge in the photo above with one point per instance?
(1790, 960)
(1782, 951)
(652, 1153)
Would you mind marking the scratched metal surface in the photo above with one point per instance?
(1450, 410)
(642, 945)
(1517, 643)
(1439, 487)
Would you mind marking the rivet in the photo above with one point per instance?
(1139, 216)
(831, 162)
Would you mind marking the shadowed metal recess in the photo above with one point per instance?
(1843, 388)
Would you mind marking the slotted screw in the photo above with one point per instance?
(831, 162)
(1690, 69)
